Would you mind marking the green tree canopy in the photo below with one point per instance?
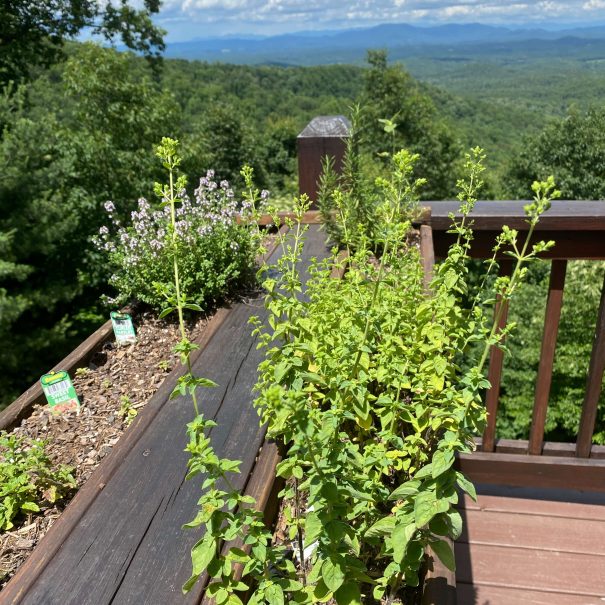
(33, 31)
(572, 149)
(63, 154)
(390, 93)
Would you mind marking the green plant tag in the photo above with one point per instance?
(123, 328)
(60, 392)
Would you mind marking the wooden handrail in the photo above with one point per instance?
(578, 229)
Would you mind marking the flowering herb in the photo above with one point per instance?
(215, 249)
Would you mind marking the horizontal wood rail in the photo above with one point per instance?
(578, 229)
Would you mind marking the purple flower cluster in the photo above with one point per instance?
(213, 207)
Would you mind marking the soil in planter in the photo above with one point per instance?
(82, 441)
(116, 380)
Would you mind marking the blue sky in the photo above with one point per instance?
(188, 19)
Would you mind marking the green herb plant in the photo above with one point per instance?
(224, 513)
(127, 410)
(27, 478)
(363, 385)
(348, 201)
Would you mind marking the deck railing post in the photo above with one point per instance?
(494, 374)
(547, 354)
(593, 385)
(323, 136)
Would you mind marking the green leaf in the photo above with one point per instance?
(190, 583)
(402, 534)
(466, 485)
(425, 471)
(455, 523)
(444, 551)
(442, 461)
(439, 525)
(166, 312)
(202, 553)
(192, 307)
(348, 594)
(321, 592)
(333, 573)
(427, 506)
(280, 371)
(382, 527)
(409, 488)
(31, 506)
(313, 528)
(274, 594)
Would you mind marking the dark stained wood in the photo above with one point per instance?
(543, 471)
(531, 546)
(314, 145)
(549, 448)
(129, 546)
(547, 354)
(534, 531)
(311, 217)
(531, 501)
(564, 215)
(263, 485)
(578, 245)
(494, 375)
(531, 569)
(593, 384)
(427, 253)
(62, 528)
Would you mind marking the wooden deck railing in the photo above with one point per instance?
(578, 228)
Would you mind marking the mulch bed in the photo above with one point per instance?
(82, 441)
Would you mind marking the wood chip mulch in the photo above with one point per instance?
(82, 441)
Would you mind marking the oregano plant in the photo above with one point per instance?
(364, 386)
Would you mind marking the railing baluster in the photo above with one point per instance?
(427, 253)
(547, 354)
(593, 385)
(494, 374)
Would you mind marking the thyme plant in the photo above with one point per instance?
(363, 384)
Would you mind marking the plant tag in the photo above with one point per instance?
(60, 392)
(123, 328)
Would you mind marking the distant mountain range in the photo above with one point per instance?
(350, 45)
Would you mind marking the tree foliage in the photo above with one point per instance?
(391, 94)
(34, 31)
(61, 157)
(571, 148)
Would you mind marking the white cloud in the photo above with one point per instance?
(290, 15)
(592, 5)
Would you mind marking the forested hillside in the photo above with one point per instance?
(81, 132)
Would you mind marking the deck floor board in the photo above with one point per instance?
(531, 548)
